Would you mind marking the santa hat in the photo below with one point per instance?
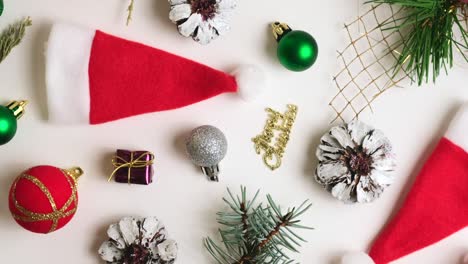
(436, 206)
(93, 77)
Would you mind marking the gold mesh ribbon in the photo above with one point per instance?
(139, 162)
(56, 214)
(367, 62)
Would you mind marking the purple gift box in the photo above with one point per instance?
(133, 167)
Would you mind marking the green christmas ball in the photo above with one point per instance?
(8, 125)
(1, 7)
(297, 50)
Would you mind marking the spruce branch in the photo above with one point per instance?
(1, 7)
(130, 11)
(12, 36)
(256, 234)
(429, 39)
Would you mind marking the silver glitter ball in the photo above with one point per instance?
(206, 146)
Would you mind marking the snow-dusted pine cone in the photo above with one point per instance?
(138, 241)
(355, 162)
(203, 20)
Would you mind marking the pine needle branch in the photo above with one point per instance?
(429, 39)
(256, 233)
(1, 7)
(12, 36)
(245, 225)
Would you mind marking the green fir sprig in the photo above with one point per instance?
(12, 36)
(1, 7)
(256, 234)
(429, 41)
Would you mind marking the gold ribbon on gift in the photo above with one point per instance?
(139, 162)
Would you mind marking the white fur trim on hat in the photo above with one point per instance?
(67, 79)
(458, 129)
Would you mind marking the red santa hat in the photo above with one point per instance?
(437, 205)
(93, 77)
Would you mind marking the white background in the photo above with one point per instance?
(413, 118)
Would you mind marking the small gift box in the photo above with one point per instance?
(133, 167)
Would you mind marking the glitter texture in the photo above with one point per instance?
(206, 146)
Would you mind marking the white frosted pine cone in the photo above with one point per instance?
(356, 162)
(138, 241)
(203, 20)
(167, 250)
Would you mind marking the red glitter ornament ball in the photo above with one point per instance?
(44, 199)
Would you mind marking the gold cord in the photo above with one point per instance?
(139, 162)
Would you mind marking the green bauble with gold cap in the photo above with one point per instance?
(297, 50)
(9, 115)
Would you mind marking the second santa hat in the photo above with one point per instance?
(93, 77)
(437, 205)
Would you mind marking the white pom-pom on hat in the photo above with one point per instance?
(251, 81)
(356, 258)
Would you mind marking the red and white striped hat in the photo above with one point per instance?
(437, 205)
(93, 77)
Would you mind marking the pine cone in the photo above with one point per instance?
(203, 20)
(355, 162)
(138, 241)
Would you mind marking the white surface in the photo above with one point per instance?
(67, 79)
(413, 119)
(356, 258)
(458, 129)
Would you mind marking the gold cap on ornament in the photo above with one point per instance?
(280, 29)
(75, 173)
(17, 107)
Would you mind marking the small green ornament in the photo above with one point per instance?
(9, 115)
(297, 50)
(1, 7)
